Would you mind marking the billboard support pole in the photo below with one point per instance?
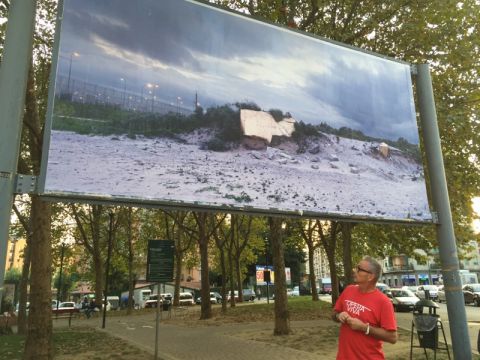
(16, 61)
(444, 226)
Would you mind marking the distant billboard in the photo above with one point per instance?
(260, 272)
(178, 103)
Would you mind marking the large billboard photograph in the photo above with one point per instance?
(178, 102)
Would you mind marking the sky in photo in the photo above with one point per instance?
(187, 48)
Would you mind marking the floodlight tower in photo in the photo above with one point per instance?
(124, 81)
(179, 101)
(72, 55)
(152, 91)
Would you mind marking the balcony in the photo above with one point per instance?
(397, 268)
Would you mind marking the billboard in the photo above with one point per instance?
(175, 102)
(259, 270)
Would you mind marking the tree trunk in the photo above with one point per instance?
(239, 279)
(38, 345)
(282, 318)
(178, 274)
(313, 278)
(347, 252)
(224, 281)
(23, 297)
(131, 275)
(97, 252)
(206, 310)
(230, 264)
(329, 244)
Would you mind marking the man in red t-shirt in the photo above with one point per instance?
(366, 315)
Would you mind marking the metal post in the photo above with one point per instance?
(157, 322)
(444, 227)
(17, 54)
(107, 270)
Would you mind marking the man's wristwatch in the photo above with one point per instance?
(368, 329)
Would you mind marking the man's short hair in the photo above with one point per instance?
(375, 266)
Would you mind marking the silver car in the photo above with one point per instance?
(431, 289)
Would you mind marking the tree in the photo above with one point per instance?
(328, 232)
(309, 231)
(92, 226)
(282, 317)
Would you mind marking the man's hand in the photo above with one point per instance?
(343, 317)
(356, 324)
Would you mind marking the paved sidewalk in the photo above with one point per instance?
(178, 342)
(212, 342)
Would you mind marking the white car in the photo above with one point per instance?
(432, 290)
(402, 299)
(186, 298)
(294, 292)
(441, 294)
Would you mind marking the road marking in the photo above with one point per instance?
(129, 328)
(147, 326)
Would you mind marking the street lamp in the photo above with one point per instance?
(73, 54)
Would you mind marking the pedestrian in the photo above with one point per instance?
(91, 308)
(259, 293)
(366, 315)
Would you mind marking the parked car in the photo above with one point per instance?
(248, 295)
(295, 291)
(152, 301)
(235, 294)
(471, 294)
(412, 288)
(441, 294)
(186, 298)
(18, 305)
(382, 287)
(215, 298)
(432, 290)
(65, 307)
(402, 300)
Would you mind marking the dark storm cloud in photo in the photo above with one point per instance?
(187, 48)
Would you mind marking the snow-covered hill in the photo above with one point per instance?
(334, 175)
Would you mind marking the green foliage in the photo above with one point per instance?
(13, 276)
(247, 106)
(276, 114)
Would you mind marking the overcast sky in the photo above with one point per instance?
(185, 47)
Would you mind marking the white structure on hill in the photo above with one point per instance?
(262, 125)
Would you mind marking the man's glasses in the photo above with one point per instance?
(362, 269)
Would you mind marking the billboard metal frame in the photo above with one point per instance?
(196, 205)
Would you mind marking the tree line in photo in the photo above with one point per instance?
(111, 119)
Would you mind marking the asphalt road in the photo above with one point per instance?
(404, 321)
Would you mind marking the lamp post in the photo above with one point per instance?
(179, 99)
(152, 91)
(70, 69)
(124, 90)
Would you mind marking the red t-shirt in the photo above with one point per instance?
(374, 308)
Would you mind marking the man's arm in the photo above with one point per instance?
(390, 336)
